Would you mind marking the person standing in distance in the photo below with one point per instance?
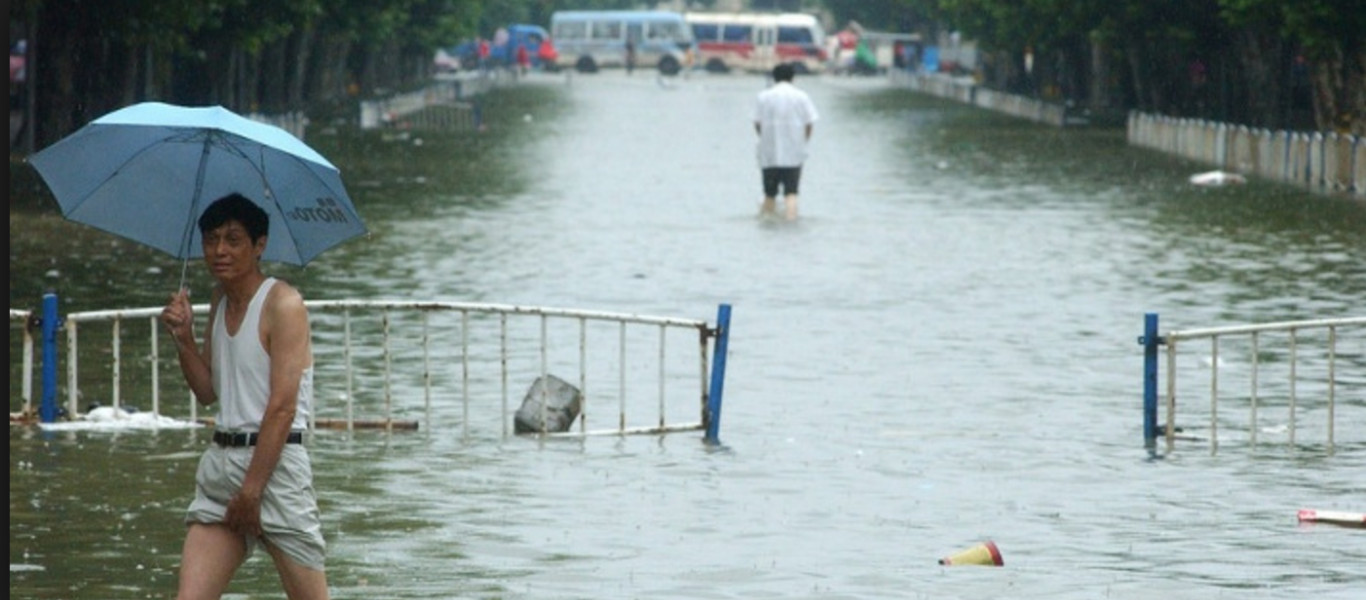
(783, 119)
(254, 483)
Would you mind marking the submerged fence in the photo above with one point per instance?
(1312, 367)
(1317, 161)
(395, 364)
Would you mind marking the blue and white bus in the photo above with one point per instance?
(590, 39)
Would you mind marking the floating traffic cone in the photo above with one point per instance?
(1336, 517)
(985, 554)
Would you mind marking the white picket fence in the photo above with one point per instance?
(1327, 162)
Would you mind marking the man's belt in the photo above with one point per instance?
(238, 440)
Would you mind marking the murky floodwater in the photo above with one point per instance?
(940, 351)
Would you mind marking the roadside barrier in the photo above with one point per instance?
(391, 360)
(1309, 354)
(1326, 162)
(441, 106)
(965, 90)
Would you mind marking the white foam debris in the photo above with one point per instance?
(108, 418)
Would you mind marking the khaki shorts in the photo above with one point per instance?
(289, 507)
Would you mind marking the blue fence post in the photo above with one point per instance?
(1150, 342)
(47, 410)
(718, 373)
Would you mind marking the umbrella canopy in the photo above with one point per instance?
(146, 172)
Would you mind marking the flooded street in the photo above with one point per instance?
(941, 350)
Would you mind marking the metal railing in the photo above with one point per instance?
(355, 339)
(1324, 348)
(439, 106)
(24, 319)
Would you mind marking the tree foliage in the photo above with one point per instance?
(1228, 59)
(1262, 62)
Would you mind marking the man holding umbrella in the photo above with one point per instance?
(254, 483)
(145, 172)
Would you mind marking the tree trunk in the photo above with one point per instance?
(329, 78)
(300, 47)
(1139, 78)
(1260, 57)
(1098, 97)
(273, 90)
(54, 75)
(1340, 91)
(131, 71)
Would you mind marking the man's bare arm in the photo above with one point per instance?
(178, 317)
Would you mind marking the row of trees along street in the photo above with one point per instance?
(1264, 63)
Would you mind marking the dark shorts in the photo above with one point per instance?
(789, 177)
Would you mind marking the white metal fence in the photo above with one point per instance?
(439, 106)
(391, 363)
(966, 90)
(1319, 161)
(1313, 366)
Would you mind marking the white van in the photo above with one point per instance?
(758, 41)
(590, 39)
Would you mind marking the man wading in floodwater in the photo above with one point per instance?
(254, 484)
(783, 118)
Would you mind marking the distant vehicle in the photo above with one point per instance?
(893, 50)
(590, 39)
(758, 41)
(465, 55)
(518, 34)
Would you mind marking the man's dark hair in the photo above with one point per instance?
(236, 207)
(783, 72)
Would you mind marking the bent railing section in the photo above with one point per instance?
(394, 364)
(1292, 366)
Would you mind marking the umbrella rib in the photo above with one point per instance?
(260, 169)
(270, 193)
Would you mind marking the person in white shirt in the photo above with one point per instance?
(783, 119)
(254, 484)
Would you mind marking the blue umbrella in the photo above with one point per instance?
(146, 172)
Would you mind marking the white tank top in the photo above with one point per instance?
(241, 370)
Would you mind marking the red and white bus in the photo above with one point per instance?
(758, 41)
